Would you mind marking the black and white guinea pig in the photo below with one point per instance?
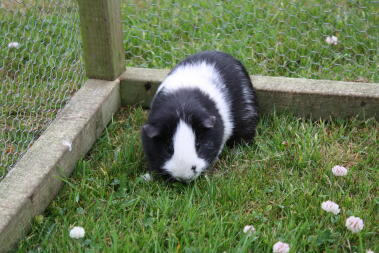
(207, 100)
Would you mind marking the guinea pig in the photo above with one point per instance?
(206, 101)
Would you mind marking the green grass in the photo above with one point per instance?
(37, 79)
(277, 185)
(276, 38)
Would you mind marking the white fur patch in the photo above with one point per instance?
(206, 78)
(185, 158)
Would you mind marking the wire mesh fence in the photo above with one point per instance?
(40, 68)
(316, 39)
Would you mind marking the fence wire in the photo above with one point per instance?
(39, 69)
(316, 39)
(40, 66)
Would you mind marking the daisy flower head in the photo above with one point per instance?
(77, 232)
(339, 171)
(331, 40)
(14, 44)
(330, 207)
(281, 247)
(354, 224)
(249, 229)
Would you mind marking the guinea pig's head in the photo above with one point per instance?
(181, 145)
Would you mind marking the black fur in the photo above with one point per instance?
(200, 112)
(234, 76)
(194, 108)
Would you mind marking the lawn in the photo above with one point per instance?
(277, 185)
(276, 38)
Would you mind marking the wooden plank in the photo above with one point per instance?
(299, 96)
(36, 178)
(102, 38)
(139, 85)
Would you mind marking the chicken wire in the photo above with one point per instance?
(316, 39)
(40, 68)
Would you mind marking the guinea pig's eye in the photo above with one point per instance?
(197, 145)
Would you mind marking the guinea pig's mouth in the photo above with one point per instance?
(166, 176)
(186, 180)
(185, 174)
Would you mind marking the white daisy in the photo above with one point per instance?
(331, 40)
(281, 247)
(77, 232)
(354, 224)
(249, 229)
(14, 45)
(339, 171)
(330, 207)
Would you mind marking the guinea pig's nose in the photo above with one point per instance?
(193, 168)
(189, 178)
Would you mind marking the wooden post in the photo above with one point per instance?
(102, 38)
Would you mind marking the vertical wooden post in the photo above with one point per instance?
(102, 38)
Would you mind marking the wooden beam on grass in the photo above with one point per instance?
(102, 38)
(302, 97)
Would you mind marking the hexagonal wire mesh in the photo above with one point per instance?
(40, 50)
(39, 69)
(316, 39)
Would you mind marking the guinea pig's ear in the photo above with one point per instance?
(150, 130)
(209, 122)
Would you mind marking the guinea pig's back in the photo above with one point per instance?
(243, 100)
(225, 80)
(237, 89)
